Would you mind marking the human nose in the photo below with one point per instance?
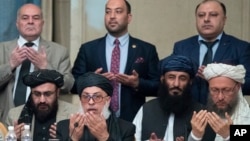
(30, 20)
(42, 98)
(112, 14)
(221, 95)
(176, 82)
(207, 18)
(91, 100)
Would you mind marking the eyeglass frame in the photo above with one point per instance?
(223, 91)
(87, 98)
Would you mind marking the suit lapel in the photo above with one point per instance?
(132, 49)
(195, 52)
(102, 54)
(222, 48)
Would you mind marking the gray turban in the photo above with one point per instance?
(236, 73)
(90, 79)
(177, 63)
(42, 76)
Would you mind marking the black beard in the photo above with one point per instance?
(211, 106)
(43, 116)
(176, 104)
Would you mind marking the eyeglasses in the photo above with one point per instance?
(45, 94)
(225, 91)
(96, 98)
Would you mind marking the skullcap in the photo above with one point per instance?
(236, 73)
(90, 79)
(177, 63)
(41, 76)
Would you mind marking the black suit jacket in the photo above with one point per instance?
(142, 57)
(125, 131)
(230, 51)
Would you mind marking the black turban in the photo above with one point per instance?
(41, 76)
(177, 63)
(90, 79)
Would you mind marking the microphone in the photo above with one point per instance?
(75, 126)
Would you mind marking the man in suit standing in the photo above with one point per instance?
(31, 50)
(137, 75)
(213, 45)
(43, 109)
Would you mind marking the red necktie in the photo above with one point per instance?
(115, 64)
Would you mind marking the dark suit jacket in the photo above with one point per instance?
(230, 51)
(142, 57)
(126, 131)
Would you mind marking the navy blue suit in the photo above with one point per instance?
(91, 56)
(230, 51)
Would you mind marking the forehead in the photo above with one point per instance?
(221, 82)
(92, 90)
(30, 10)
(44, 87)
(210, 6)
(114, 4)
(176, 73)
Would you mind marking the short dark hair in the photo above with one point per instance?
(221, 4)
(128, 6)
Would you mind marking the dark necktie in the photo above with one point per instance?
(115, 64)
(208, 58)
(20, 93)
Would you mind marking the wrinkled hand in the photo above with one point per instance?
(17, 56)
(97, 126)
(18, 128)
(129, 80)
(52, 130)
(38, 58)
(153, 137)
(76, 133)
(220, 126)
(199, 123)
(200, 72)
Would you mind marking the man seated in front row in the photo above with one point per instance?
(97, 121)
(226, 104)
(168, 116)
(43, 109)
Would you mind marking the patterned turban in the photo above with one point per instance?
(90, 79)
(236, 73)
(42, 76)
(177, 63)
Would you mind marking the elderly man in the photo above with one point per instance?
(168, 116)
(226, 104)
(28, 53)
(96, 122)
(43, 109)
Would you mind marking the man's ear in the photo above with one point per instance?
(162, 78)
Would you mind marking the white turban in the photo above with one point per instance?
(236, 73)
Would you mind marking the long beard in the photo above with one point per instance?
(176, 104)
(44, 115)
(230, 108)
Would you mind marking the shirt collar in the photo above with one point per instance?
(202, 39)
(123, 39)
(21, 41)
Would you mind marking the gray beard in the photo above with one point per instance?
(221, 112)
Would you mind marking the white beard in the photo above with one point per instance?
(105, 111)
